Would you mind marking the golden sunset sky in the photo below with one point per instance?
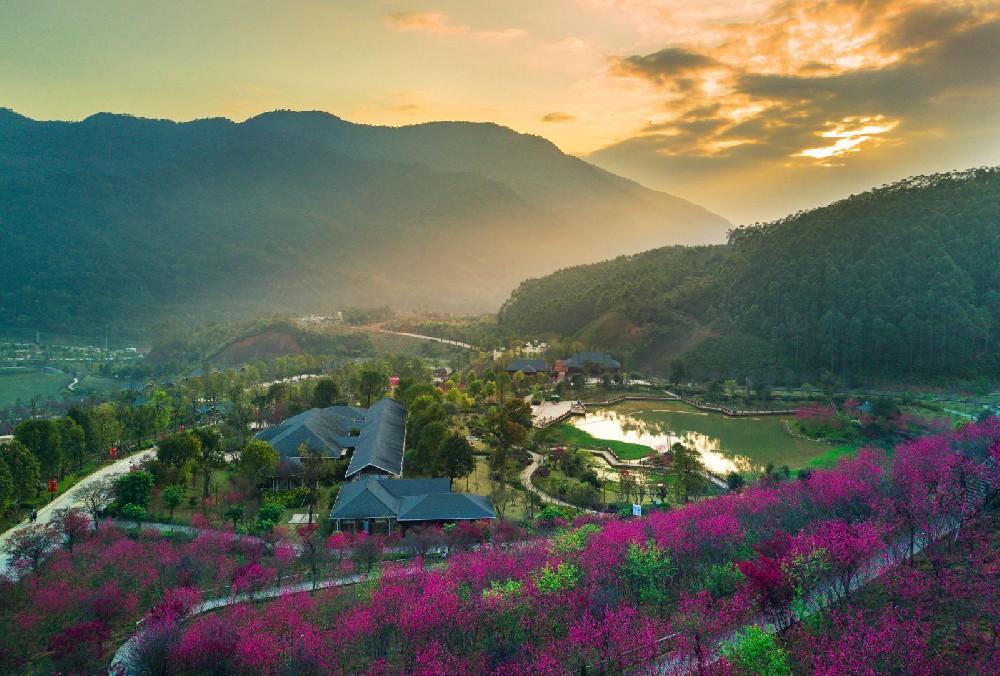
(752, 108)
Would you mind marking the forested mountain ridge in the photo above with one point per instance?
(899, 282)
(116, 220)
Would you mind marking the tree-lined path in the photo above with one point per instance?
(73, 497)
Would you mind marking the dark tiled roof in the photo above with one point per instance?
(407, 487)
(365, 500)
(408, 500)
(381, 442)
(528, 366)
(445, 507)
(580, 359)
(317, 428)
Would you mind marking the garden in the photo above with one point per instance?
(683, 588)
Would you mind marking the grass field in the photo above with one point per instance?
(24, 384)
(569, 435)
(830, 458)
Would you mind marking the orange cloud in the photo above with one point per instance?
(845, 70)
(436, 23)
(558, 117)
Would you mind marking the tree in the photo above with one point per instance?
(73, 439)
(95, 496)
(42, 438)
(72, 523)
(316, 468)
(134, 488)
(24, 470)
(105, 426)
(325, 393)
(135, 513)
(210, 457)
(688, 471)
(755, 652)
(236, 513)
(455, 457)
(257, 458)
(6, 487)
(178, 450)
(734, 480)
(29, 544)
(140, 423)
(677, 372)
(172, 497)
(509, 425)
(502, 382)
(372, 384)
(238, 419)
(160, 404)
(426, 454)
(502, 496)
(648, 572)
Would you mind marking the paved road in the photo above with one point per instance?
(71, 497)
(434, 339)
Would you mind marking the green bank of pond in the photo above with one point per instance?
(725, 444)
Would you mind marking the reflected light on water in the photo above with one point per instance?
(657, 435)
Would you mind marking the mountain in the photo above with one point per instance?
(899, 283)
(116, 220)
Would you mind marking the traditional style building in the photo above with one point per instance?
(387, 504)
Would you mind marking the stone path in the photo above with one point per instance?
(536, 461)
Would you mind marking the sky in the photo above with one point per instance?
(752, 108)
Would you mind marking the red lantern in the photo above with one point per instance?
(53, 485)
(182, 428)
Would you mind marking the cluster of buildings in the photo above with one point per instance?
(581, 362)
(376, 496)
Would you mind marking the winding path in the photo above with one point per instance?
(122, 664)
(536, 461)
(435, 339)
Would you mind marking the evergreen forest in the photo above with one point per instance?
(900, 284)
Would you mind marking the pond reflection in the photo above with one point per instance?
(725, 444)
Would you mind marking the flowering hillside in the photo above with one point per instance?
(606, 594)
(601, 593)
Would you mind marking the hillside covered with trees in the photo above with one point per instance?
(899, 283)
(116, 221)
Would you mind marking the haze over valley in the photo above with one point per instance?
(118, 220)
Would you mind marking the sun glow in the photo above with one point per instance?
(850, 133)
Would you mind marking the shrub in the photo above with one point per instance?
(755, 652)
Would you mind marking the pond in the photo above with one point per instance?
(725, 444)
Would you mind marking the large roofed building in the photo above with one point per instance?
(596, 360)
(374, 437)
(400, 502)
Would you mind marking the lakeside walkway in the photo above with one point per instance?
(549, 413)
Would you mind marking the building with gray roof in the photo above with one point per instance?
(375, 501)
(373, 437)
(599, 360)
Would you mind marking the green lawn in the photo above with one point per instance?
(24, 384)
(830, 458)
(570, 435)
